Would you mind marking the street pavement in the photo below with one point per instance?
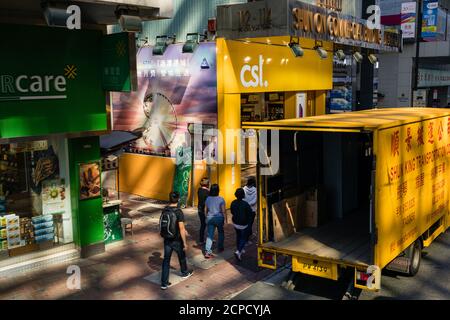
(130, 269)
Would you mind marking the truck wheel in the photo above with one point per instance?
(415, 257)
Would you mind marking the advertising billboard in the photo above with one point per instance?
(434, 23)
(174, 89)
(408, 24)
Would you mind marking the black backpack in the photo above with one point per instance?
(168, 224)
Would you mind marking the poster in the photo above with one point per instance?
(112, 227)
(53, 197)
(90, 180)
(409, 10)
(174, 89)
(183, 174)
(434, 22)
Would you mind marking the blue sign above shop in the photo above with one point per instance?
(434, 23)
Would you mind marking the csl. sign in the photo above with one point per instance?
(256, 75)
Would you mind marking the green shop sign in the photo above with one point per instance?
(119, 62)
(50, 81)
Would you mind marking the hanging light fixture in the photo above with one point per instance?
(323, 54)
(162, 42)
(340, 55)
(358, 57)
(373, 59)
(296, 49)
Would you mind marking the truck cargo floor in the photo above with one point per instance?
(347, 241)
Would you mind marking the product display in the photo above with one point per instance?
(13, 231)
(3, 234)
(26, 230)
(43, 228)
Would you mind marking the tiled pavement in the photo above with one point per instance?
(119, 272)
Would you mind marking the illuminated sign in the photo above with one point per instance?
(323, 21)
(310, 21)
(330, 4)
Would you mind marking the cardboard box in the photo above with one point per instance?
(311, 219)
(312, 215)
(286, 217)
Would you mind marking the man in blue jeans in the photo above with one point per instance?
(215, 218)
(179, 245)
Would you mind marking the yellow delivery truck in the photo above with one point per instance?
(358, 192)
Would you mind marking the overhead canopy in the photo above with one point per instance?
(360, 121)
(116, 140)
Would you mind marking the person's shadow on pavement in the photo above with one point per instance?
(155, 260)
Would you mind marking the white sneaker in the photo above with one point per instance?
(243, 251)
(237, 254)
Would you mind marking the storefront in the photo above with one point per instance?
(249, 73)
(261, 79)
(52, 110)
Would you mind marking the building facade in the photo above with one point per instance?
(398, 70)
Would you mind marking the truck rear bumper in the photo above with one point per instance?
(366, 277)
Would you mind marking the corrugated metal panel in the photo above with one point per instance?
(189, 16)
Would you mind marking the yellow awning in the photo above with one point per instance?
(369, 120)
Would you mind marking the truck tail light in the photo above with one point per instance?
(362, 276)
(267, 259)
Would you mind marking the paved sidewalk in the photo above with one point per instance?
(124, 271)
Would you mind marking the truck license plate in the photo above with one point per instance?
(315, 268)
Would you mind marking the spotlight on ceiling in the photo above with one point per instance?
(373, 58)
(55, 14)
(340, 55)
(296, 48)
(192, 41)
(358, 57)
(162, 42)
(129, 19)
(323, 54)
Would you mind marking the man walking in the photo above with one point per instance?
(173, 230)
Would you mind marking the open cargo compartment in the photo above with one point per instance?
(319, 204)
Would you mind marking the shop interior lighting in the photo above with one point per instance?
(340, 55)
(373, 59)
(162, 42)
(358, 57)
(192, 41)
(55, 14)
(128, 18)
(296, 48)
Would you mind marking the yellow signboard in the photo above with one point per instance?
(268, 65)
(412, 183)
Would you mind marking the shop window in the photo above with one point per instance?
(34, 197)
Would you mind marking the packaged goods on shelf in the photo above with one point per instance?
(13, 231)
(42, 219)
(2, 222)
(43, 225)
(45, 237)
(40, 232)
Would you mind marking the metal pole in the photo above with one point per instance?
(418, 41)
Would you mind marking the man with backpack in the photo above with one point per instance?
(172, 229)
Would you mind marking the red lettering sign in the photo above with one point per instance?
(420, 140)
(431, 133)
(408, 139)
(395, 143)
